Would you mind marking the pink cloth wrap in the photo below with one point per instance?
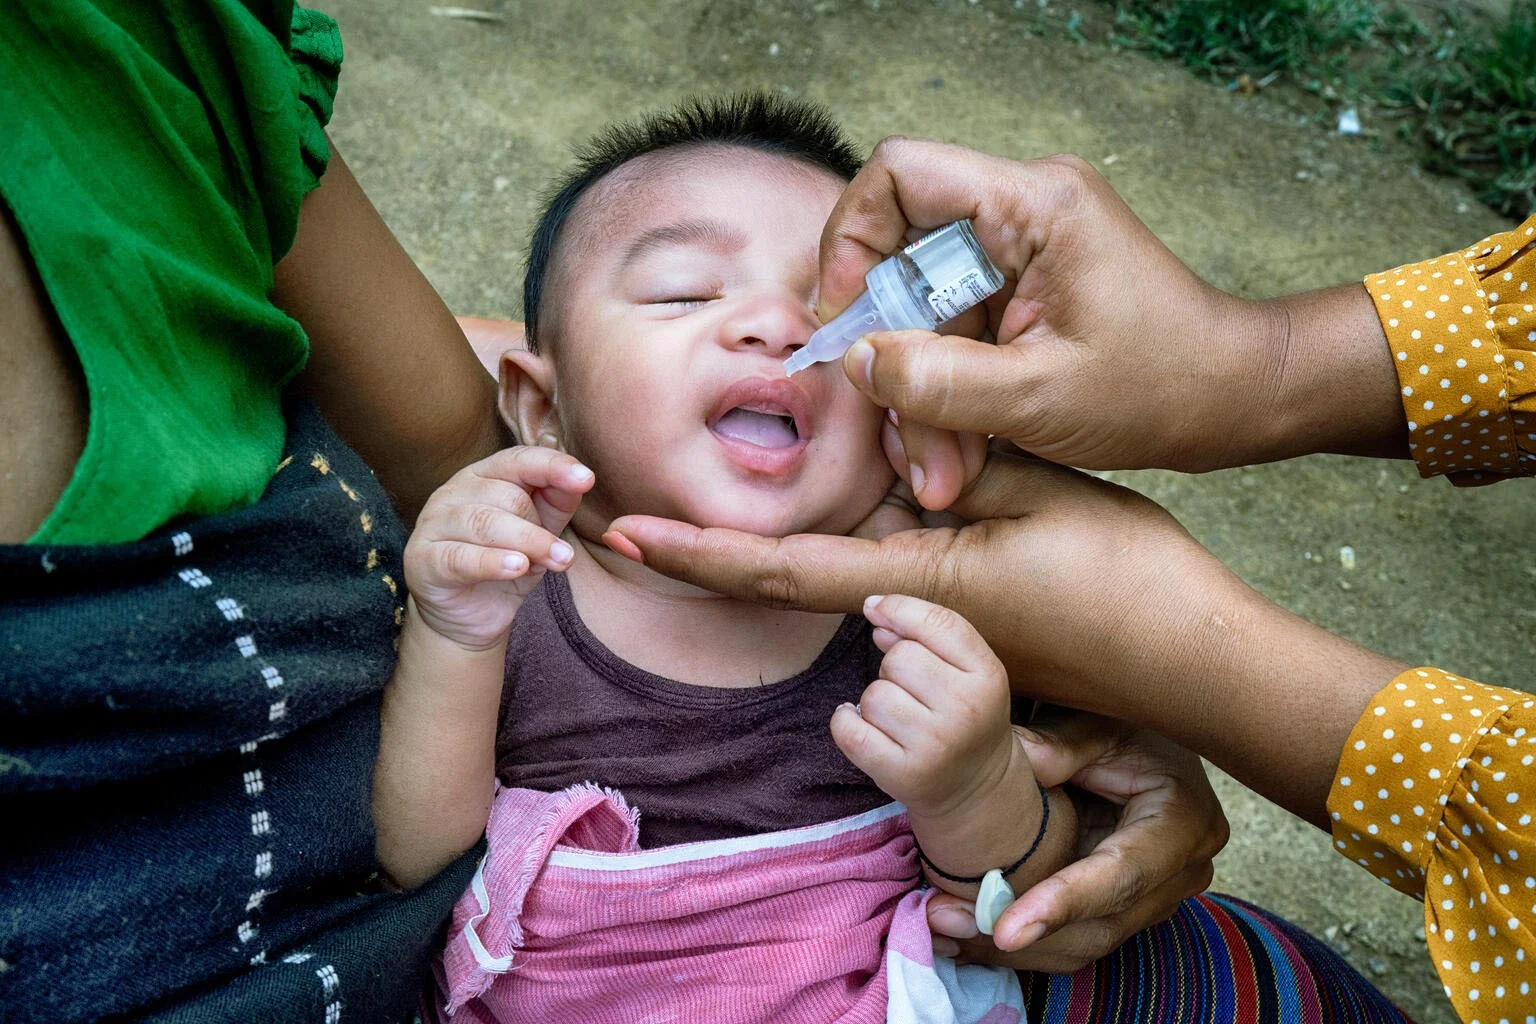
(568, 919)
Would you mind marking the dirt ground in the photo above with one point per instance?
(453, 126)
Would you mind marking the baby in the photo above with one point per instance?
(737, 858)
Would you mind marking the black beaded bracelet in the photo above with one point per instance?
(1045, 820)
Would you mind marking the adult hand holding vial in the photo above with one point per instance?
(935, 279)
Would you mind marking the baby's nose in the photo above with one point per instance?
(775, 325)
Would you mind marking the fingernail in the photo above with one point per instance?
(580, 474)
(917, 478)
(1029, 735)
(890, 414)
(954, 922)
(561, 552)
(945, 947)
(616, 541)
(514, 563)
(862, 360)
(1018, 938)
(871, 601)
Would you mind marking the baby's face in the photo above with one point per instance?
(684, 286)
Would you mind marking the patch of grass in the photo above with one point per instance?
(1228, 37)
(1464, 88)
(1472, 107)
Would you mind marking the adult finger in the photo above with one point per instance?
(952, 916)
(1061, 746)
(810, 572)
(1020, 486)
(1114, 878)
(938, 463)
(1076, 945)
(909, 184)
(948, 460)
(951, 382)
(935, 466)
(814, 572)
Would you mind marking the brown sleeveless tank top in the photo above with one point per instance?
(699, 762)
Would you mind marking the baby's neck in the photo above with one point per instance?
(681, 632)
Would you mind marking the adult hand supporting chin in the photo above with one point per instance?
(1110, 353)
(1093, 597)
(1149, 827)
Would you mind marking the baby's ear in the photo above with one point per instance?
(526, 398)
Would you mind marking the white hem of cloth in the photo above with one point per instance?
(682, 853)
(483, 957)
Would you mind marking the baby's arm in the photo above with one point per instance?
(481, 543)
(934, 732)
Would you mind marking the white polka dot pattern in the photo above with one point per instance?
(1463, 333)
(1435, 796)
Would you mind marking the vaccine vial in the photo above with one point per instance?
(935, 279)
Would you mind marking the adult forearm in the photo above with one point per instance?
(389, 367)
(1221, 670)
(1278, 697)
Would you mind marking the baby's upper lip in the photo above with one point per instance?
(776, 396)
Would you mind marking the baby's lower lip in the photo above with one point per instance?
(761, 459)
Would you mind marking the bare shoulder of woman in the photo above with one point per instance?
(43, 407)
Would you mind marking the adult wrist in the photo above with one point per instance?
(1246, 343)
(1334, 386)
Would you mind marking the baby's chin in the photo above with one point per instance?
(771, 516)
(776, 516)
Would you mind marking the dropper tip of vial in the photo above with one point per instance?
(798, 361)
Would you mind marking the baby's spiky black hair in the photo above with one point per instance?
(756, 120)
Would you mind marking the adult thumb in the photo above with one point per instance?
(941, 380)
(1064, 745)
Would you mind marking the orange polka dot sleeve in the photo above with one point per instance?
(1435, 796)
(1463, 332)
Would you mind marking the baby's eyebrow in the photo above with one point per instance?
(712, 234)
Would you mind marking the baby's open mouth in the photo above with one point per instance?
(763, 415)
(762, 425)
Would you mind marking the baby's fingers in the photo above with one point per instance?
(935, 627)
(559, 478)
(455, 563)
(863, 743)
(488, 526)
(929, 679)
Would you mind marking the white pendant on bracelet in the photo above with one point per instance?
(996, 896)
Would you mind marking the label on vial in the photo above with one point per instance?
(913, 247)
(959, 295)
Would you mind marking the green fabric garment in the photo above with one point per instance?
(154, 154)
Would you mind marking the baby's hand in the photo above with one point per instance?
(486, 536)
(933, 731)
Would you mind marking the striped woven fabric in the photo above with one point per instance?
(1218, 960)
